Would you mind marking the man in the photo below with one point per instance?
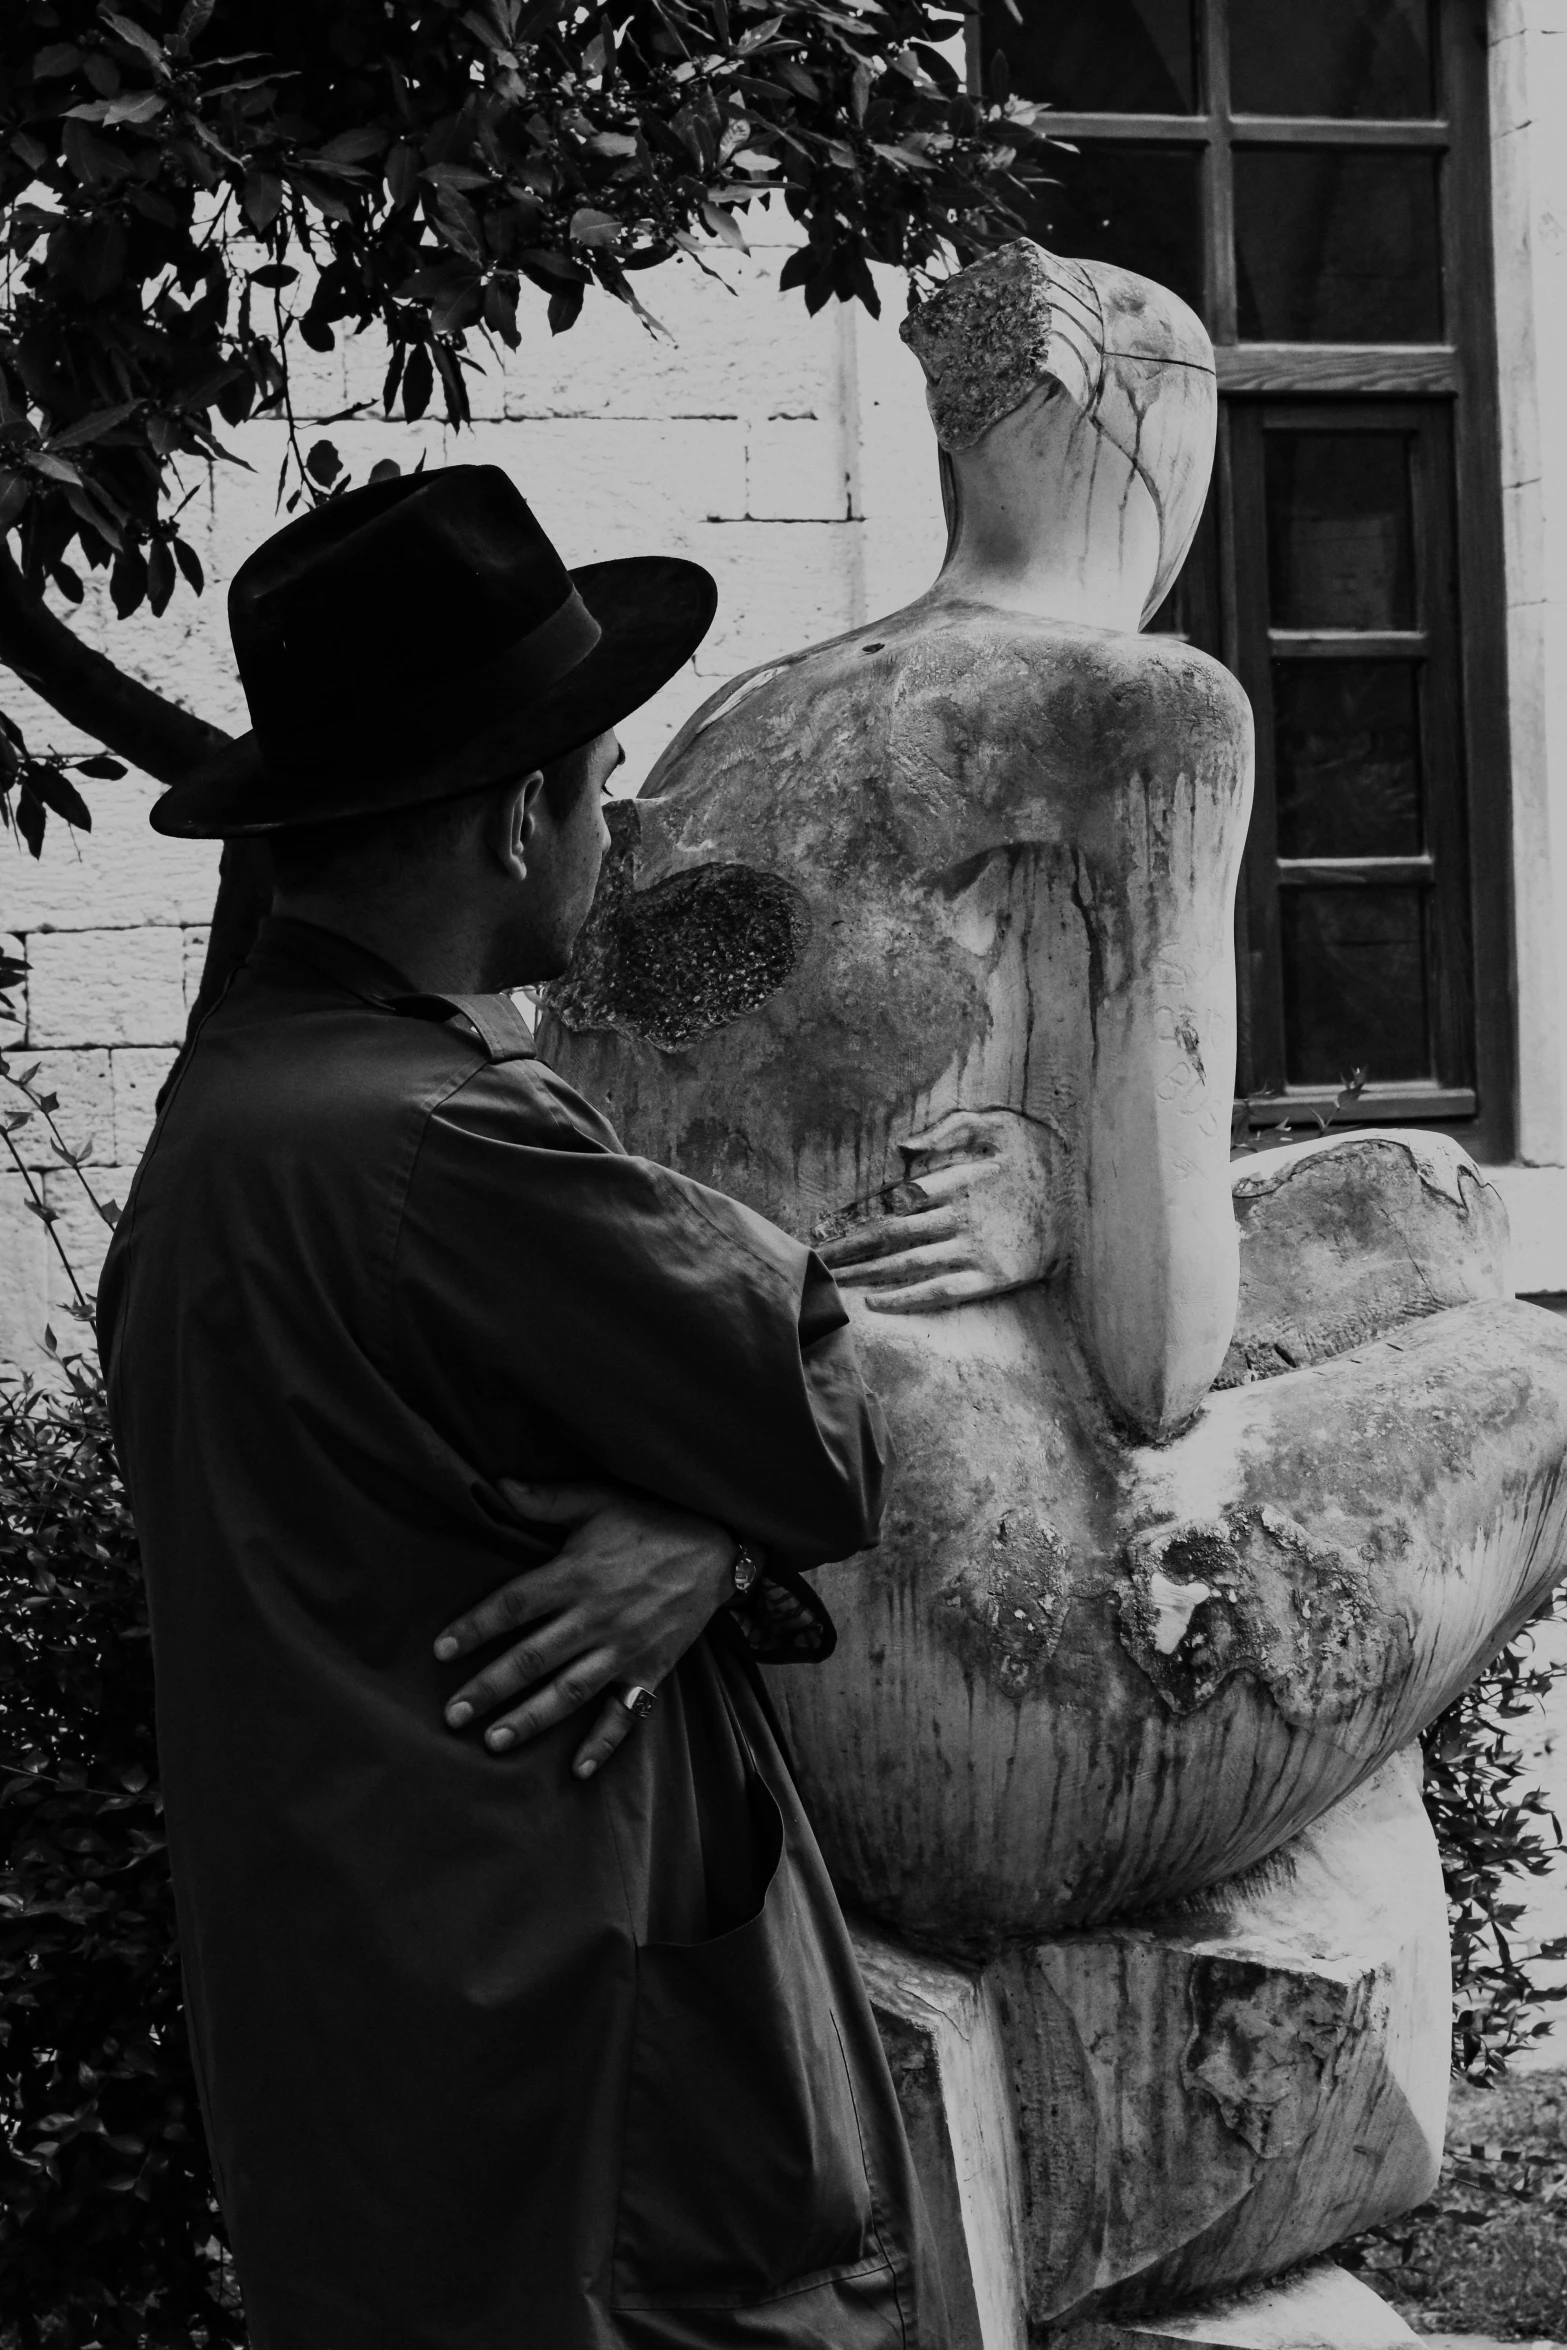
(499, 2047)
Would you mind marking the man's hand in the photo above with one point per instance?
(974, 1217)
(633, 1586)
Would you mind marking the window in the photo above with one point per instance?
(1313, 181)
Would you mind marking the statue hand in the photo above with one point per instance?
(973, 1218)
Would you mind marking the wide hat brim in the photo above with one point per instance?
(652, 610)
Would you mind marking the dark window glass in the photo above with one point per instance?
(1122, 57)
(1340, 536)
(1139, 207)
(1336, 245)
(1193, 608)
(1340, 57)
(1346, 760)
(1354, 984)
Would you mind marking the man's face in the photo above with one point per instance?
(564, 852)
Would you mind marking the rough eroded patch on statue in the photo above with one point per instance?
(1262, 2040)
(675, 962)
(1256, 1594)
(1006, 1609)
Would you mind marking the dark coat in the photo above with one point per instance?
(490, 2058)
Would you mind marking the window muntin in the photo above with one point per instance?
(1335, 157)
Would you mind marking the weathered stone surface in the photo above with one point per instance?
(1344, 1238)
(1320, 2308)
(106, 987)
(1221, 2091)
(942, 2034)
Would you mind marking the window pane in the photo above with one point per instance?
(1340, 536)
(1139, 207)
(1336, 245)
(1354, 984)
(1346, 758)
(1123, 57)
(1346, 57)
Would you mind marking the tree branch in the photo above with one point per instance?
(154, 733)
(90, 692)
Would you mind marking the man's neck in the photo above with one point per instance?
(440, 950)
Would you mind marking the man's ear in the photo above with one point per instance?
(513, 822)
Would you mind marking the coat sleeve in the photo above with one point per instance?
(544, 1278)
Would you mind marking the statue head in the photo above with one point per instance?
(1024, 326)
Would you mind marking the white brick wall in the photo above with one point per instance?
(737, 443)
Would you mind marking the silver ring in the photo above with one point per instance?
(636, 1699)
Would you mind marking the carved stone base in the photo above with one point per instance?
(1318, 2308)
(1121, 2119)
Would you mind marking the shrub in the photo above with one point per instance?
(109, 2231)
(1493, 1828)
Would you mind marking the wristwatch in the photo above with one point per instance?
(748, 1565)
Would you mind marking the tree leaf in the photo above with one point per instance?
(418, 382)
(590, 227)
(91, 428)
(565, 307)
(355, 146)
(58, 793)
(189, 562)
(61, 57)
(323, 464)
(103, 765)
(137, 35)
(160, 575)
(31, 818)
(262, 201)
(128, 581)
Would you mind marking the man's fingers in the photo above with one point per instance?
(613, 1727)
(558, 1505)
(584, 1678)
(529, 1662)
(516, 1604)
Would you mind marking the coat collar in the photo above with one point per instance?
(285, 948)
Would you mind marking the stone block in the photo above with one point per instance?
(939, 2027)
(798, 471)
(85, 1117)
(120, 874)
(734, 346)
(1348, 1236)
(1213, 2094)
(82, 1234)
(1117, 2122)
(1321, 2307)
(106, 987)
(618, 485)
(780, 584)
(24, 1290)
(137, 1072)
(194, 960)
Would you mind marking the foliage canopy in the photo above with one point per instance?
(189, 191)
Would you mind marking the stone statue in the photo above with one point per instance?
(1215, 1486)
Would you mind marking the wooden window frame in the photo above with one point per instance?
(1461, 373)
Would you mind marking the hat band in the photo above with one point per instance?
(540, 659)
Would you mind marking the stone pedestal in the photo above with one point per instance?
(1122, 2119)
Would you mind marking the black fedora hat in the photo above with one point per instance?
(419, 639)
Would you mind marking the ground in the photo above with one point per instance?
(1488, 2254)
